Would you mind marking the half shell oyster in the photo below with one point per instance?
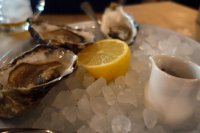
(27, 79)
(64, 36)
(116, 23)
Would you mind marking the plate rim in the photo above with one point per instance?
(195, 43)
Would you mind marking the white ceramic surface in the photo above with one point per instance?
(172, 89)
(28, 119)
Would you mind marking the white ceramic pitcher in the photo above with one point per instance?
(172, 89)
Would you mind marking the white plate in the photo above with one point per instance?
(145, 35)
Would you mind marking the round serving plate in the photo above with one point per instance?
(149, 39)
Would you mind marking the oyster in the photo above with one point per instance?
(27, 79)
(116, 23)
(64, 36)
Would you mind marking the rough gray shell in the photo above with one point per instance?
(61, 36)
(27, 79)
(116, 23)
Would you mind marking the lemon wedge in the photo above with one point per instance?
(107, 58)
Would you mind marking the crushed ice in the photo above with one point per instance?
(150, 118)
(85, 105)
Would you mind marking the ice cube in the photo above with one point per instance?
(88, 80)
(57, 121)
(138, 127)
(116, 88)
(114, 110)
(141, 56)
(198, 95)
(85, 129)
(80, 72)
(150, 118)
(137, 54)
(63, 99)
(96, 87)
(99, 124)
(73, 82)
(121, 124)
(99, 105)
(142, 68)
(120, 82)
(169, 46)
(84, 109)
(145, 47)
(126, 107)
(136, 115)
(157, 129)
(152, 40)
(70, 113)
(131, 79)
(43, 121)
(77, 93)
(109, 95)
(127, 96)
(140, 95)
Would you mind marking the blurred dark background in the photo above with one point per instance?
(73, 6)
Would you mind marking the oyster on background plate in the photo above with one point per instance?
(116, 23)
(27, 79)
(61, 36)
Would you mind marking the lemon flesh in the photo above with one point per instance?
(108, 58)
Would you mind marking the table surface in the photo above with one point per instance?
(169, 15)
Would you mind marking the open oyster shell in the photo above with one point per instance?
(116, 23)
(27, 79)
(64, 36)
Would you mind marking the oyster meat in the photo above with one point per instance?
(116, 23)
(64, 36)
(27, 79)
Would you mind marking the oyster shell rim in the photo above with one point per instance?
(15, 101)
(130, 22)
(73, 46)
(67, 71)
